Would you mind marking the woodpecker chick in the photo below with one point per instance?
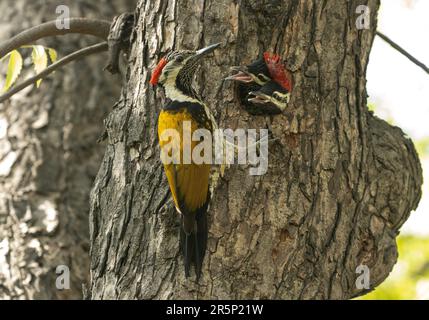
(250, 78)
(188, 182)
(255, 73)
(271, 97)
(253, 77)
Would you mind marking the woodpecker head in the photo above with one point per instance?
(267, 67)
(178, 67)
(277, 70)
(257, 72)
(268, 81)
(271, 97)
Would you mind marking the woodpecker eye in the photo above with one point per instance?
(179, 59)
(262, 77)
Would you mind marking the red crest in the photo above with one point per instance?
(157, 72)
(278, 71)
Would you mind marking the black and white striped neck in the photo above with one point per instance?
(178, 86)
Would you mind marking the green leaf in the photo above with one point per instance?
(52, 54)
(13, 69)
(4, 57)
(40, 60)
(422, 146)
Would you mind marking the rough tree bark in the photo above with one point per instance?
(49, 158)
(340, 183)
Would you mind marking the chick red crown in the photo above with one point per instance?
(278, 71)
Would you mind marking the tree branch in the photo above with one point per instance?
(401, 50)
(69, 58)
(94, 27)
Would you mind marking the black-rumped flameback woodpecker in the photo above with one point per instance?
(189, 182)
(265, 70)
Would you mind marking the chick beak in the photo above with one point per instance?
(241, 75)
(258, 97)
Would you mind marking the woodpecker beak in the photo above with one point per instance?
(258, 97)
(205, 51)
(279, 99)
(242, 75)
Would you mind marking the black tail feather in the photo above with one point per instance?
(194, 243)
(186, 244)
(201, 242)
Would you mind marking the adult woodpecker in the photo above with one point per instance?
(189, 182)
(253, 77)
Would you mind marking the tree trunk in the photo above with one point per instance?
(340, 181)
(49, 158)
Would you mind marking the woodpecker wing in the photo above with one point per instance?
(189, 183)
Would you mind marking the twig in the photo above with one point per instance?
(97, 28)
(61, 62)
(405, 53)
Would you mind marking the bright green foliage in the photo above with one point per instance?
(422, 147)
(13, 69)
(409, 278)
(52, 54)
(40, 60)
(39, 56)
